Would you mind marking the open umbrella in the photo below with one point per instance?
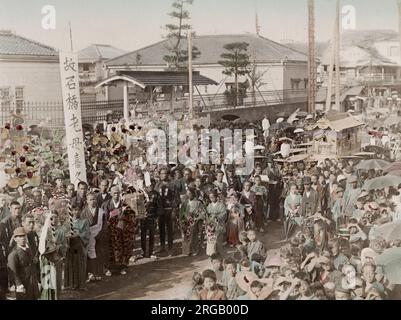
(396, 173)
(392, 167)
(280, 125)
(391, 121)
(390, 231)
(230, 117)
(381, 182)
(375, 164)
(390, 259)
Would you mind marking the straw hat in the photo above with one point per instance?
(244, 279)
(274, 261)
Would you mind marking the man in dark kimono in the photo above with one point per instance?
(153, 208)
(20, 264)
(310, 203)
(98, 247)
(103, 195)
(166, 191)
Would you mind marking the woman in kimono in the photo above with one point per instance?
(76, 260)
(291, 208)
(191, 211)
(248, 199)
(215, 225)
(235, 223)
(52, 249)
(260, 202)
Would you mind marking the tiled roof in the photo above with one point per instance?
(12, 44)
(211, 47)
(96, 52)
(357, 48)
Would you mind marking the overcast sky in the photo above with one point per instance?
(132, 24)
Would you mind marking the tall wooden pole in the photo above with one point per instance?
(191, 102)
(337, 56)
(399, 23)
(72, 48)
(311, 57)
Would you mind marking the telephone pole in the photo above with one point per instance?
(311, 57)
(190, 74)
(337, 56)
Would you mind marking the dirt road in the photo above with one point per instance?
(164, 278)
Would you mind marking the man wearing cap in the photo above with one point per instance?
(22, 268)
(350, 197)
(310, 200)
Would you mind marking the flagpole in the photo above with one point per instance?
(72, 48)
(190, 74)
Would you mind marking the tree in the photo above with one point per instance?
(236, 62)
(178, 59)
(256, 80)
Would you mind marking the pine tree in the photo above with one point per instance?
(177, 32)
(236, 62)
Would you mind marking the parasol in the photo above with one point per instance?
(390, 259)
(390, 231)
(391, 121)
(396, 173)
(379, 183)
(230, 117)
(392, 167)
(280, 125)
(376, 164)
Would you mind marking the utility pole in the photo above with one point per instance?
(72, 48)
(257, 25)
(399, 23)
(190, 74)
(311, 57)
(337, 56)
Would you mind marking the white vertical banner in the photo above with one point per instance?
(72, 116)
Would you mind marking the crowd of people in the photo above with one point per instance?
(56, 236)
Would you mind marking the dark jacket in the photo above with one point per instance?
(6, 232)
(166, 192)
(99, 199)
(153, 206)
(22, 268)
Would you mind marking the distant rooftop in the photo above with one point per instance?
(16, 45)
(211, 47)
(97, 52)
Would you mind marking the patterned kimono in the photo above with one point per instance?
(75, 265)
(191, 212)
(260, 205)
(248, 200)
(292, 204)
(235, 223)
(122, 228)
(216, 227)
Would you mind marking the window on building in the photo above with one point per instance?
(19, 98)
(394, 51)
(85, 67)
(4, 93)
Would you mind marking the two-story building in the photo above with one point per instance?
(91, 71)
(29, 72)
(281, 68)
